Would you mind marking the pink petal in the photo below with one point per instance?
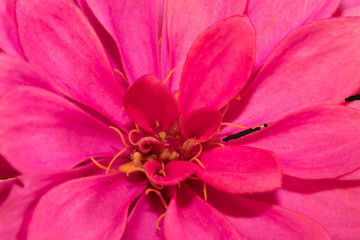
(15, 72)
(88, 208)
(64, 45)
(333, 204)
(349, 3)
(150, 104)
(40, 131)
(175, 172)
(134, 26)
(24, 194)
(5, 189)
(273, 20)
(142, 220)
(6, 170)
(304, 71)
(257, 220)
(188, 217)
(202, 124)
(187, 19)
(9, 39)
(355, 104)
(353, 11)
(317, 142)
(218, 65)
(239, 169)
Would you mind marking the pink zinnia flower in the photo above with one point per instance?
(81, 179)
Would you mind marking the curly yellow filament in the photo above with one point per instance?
(198, 161)
(238, 97)
(156, 186)
(158, 220)
(169, 75)
(130, 134)
(233, 125)
(159, 194)
(100, 165)
(205, 192)
(134, 169)
(114, 158)
(225, 110)
(219, 144)
(120, 73)
(120, 134)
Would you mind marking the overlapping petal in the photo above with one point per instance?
(40, 131)
(315, 64)
(201, 221)
(64, 45)
(273, 20)
(317, 142)
(218, 65)
(186, 20)
(99, 203)
(239, 169)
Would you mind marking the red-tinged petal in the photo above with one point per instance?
(134, 26)
(239, 169)
(15, 72)
(189, 217)
(24, 194)
(6, 170)
(218, 65)
(174, 172)
(202, 124)
(74, 209)
(355, 104)
(40, 131)
(185, 23)
(142, 220)
(258, 220)
(304, 71)
(9, 39)
(271, 27)
(64, 45)
(5, 188)
(150, 104)
(317, 142)
(354, 11)
(333, 204)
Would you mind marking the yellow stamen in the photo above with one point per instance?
(114, 158)
(162, 171)
(234, 125)
(225, 110)
(162, 135)
(159, 194)
(159, 41)
(205, 192)
(122, 75)
(157, 123)
(198, 161)
(177, 94)
(199, 152)
(158, 220)
(169, 75)
(130, 134)
(156, 186)
(100, 165)
(120, 134)
(219, 144)
(238, 97)
(134, 170)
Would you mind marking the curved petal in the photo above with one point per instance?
(202, 124)
(187, 211)
(173, 173)
(6, 170)
(150, 104)
(9, 39)
(349, 3)
(258, 220)
(15, 72)
(317, 142)
(355, 104)
(40, 131)
(142, 220)
(333, 204)
(239, 169)
(353, 11)
(185, 23)
(314, 65)
(218, 65)
(64, 45)
(88, 201)
(271, 27)
(134, 25)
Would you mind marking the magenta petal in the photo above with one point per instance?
(333, 204)
(142, 220)
(6, 170)
(15, 72)
(185, 23)
(189, 217)
(218, 65)
(40, 131)
(87, 208)
(304, 71)
(239, 169)
(317, 142)
(64, 45)
(354, 11)
(150, 104)
(202, 124)
(258, 220)
(175, 172)
(273, 20)
(9, 39)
